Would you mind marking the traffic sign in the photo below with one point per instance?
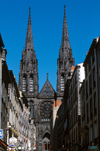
(1, 133)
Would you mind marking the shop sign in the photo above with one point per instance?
(93, 147)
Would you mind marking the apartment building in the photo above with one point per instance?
(75, 106)
(24, 122)
(66, 110)
(90, 98)
(14, 111)
(54, 125)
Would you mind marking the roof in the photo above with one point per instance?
(1, 42)
(91, 50)
(47, 90)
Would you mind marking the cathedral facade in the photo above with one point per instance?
(41, 103)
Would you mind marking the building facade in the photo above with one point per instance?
(90, 97)
(75, 106)
(54, 126)
(13, 109)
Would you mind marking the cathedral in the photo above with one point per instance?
(41, 103)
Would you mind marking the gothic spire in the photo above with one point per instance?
(29, 36)
(65, 36)
(65, 60)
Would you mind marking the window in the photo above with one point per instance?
(44, 93)
(62, 83)
(76, 134)
(95, 105)
(90, 84)
(47, 88)
(31, 109)
(87, 114)
(91, 133)
(86, 90)
(95, 130)
(91, 108)
(24, 84)
(76, 112)
(89, 64)
(31, 84)
(93, 59)
(94, 78)
(50, 93)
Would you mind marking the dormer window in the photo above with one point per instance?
(24, 84)
(31, 84)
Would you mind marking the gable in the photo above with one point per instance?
(47, 91)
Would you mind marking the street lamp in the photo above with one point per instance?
(13, 140)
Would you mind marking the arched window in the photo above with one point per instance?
(31, 84)
(24, 84)
(62, 83)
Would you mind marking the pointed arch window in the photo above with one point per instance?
(24, 84)
(62, 83)
(31, 83)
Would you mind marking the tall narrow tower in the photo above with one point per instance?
(28, 76)
(65, 60)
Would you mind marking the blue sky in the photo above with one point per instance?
(83, 20)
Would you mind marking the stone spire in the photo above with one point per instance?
(29, 36)
(65, 44)
(29, 65)
(65, 60)
(65, 36)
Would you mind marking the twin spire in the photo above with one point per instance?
(29, 36)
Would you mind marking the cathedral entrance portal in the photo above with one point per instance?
(46, 142)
